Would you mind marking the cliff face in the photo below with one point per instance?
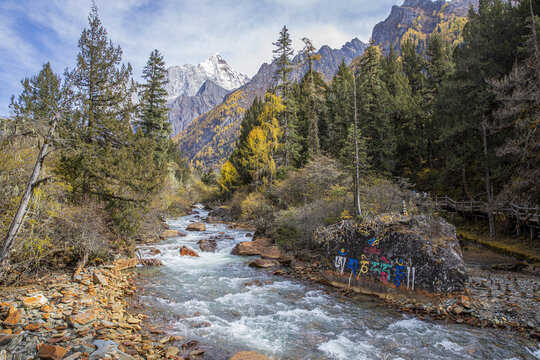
(184, 108)
(416, 19)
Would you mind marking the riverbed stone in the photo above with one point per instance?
(264, 263)
(185, 251)
(248, 355)
(34, 301)
(14, 316)
(196, 226)
(99, 279)
(51, 352)
(170, 233)
(271, 253)
(171, 352)
(208, 245)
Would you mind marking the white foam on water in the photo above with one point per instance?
(343, 348)
(411, 324)
(449, 345)
(536, 353)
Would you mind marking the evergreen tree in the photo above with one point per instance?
(404, 114)
(283, 58)
(104, 159)
(340, 111)
(36, 106)
(153, 118)
(373, 110)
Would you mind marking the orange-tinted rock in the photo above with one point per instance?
(99, 279)
(126, 263)
(246, 248)
(248, 355)
(155, 251)
(197, 226)
(51, 352)
(14, 316)
(6, 332)
(45, 308)
(171, 233)
(32, 327)
(151, 262)
(82, 318)
(263, 263)
(185, 251)
(271, 253)
(35, 301)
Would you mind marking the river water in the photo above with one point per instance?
(207, 299)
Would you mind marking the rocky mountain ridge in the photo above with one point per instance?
(209, 139)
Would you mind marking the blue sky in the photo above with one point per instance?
(33, 32)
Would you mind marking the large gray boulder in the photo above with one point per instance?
(393, 252)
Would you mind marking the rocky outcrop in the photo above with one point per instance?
(393, 253)
(418, 17)
(125, 263)
(184, 108)
(196, 226)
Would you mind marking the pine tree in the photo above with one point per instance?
(283, 58)
(104, 159)
(153, 118)
(340, 111)
(373, 110)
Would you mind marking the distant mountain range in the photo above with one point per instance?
(207, 102)
(209, 139)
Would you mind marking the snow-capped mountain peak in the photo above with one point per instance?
(188, 79)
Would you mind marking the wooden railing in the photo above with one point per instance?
(529, 216)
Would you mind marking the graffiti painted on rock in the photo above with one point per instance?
(381, 268)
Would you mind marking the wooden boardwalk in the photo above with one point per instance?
(521, 215)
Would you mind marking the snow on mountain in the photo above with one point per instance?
(188, 79)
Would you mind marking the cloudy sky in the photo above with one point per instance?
(33, 32)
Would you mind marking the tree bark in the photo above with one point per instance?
(489, 191)
(356, 160)
(18, 219)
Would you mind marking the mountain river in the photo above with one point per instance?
(207, 299)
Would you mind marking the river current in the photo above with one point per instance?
(210, 299)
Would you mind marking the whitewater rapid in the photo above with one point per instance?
(210, 299)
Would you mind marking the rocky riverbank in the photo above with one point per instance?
(492, 298)
(88, 316)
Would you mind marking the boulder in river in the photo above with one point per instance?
(151, 262)
(185, 251)
(271, 253)
(249, 248)
(171, 233)
(196, 226)
(248, 355)
(221, 214)
(392, 253)
(208, 245)
(263, 263)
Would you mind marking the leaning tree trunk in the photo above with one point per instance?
(489, 190)
(17, 221)
(356, 159)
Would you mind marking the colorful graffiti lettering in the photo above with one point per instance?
(385, 271)
(339, 263)
(373, 242)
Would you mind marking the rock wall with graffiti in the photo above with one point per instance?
(394, 253)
